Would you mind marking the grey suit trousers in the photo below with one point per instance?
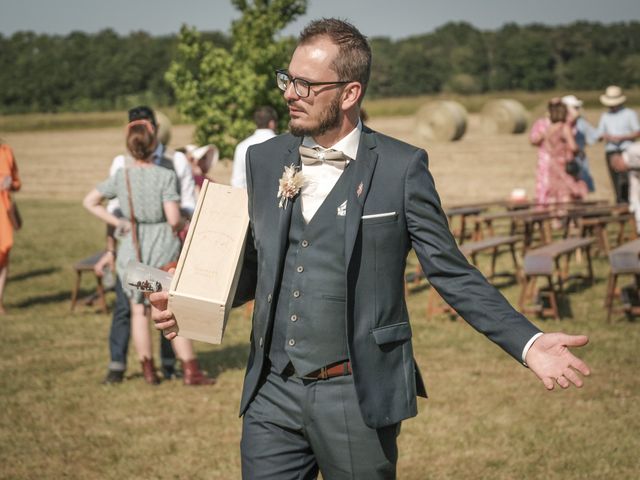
(295, 427)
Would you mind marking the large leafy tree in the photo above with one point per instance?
(217, 88)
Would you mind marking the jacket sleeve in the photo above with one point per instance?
(460, 284)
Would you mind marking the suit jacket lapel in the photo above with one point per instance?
(291, 158)
(364, 165)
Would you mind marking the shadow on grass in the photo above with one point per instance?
(233, 357)
(63, 296)
(33, 273)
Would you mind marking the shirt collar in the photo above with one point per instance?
(347, 144)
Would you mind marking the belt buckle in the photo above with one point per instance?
(323, 375)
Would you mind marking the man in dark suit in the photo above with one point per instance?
(334, 210)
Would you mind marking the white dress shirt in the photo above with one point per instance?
(320, 178)
(239, 174)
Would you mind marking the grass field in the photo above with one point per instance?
(487, 417)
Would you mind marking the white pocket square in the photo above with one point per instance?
(378, 215)
(342, 209)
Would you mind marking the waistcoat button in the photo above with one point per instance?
(292, 342)
(305, 243)
(296, 294)
(269, 298)
(300, 269)
(294, 318)
(260, 341)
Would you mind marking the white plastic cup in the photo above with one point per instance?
(141, 277)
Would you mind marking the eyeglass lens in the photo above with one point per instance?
(300, 86)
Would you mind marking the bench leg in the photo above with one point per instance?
(74, 292)
(527, 293)
(611, 291)
(560, 272)
(516, 263)
(589, 264)
(603, 240)
(101, 296)
(494, 257)
(553, 299)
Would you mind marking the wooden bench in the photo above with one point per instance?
(463, 212)
(528, 219)
(472, 249)
(545, 262)
(435, 303)
(597, 227)
(624, 260)
(86, 265)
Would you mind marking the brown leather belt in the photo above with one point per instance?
(340, 369)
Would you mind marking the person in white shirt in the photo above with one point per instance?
(266, 119)
(629, 161)
(619, 128)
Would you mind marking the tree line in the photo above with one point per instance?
(101, 71)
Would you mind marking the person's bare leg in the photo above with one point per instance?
(183, 348)
(4, 272)
(140, 331)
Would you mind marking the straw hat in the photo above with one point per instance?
(572, 101)
(206, 156)
(612, 96)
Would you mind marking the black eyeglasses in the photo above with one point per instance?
(301, 86)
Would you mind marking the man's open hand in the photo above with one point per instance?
(550, 359)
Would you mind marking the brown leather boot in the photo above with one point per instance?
(193, 375)
(149, 371)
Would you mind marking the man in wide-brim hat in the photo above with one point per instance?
(619, 127)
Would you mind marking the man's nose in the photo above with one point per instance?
(290, 92)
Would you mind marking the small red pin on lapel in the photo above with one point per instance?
(359, 189)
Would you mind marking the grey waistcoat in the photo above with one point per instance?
(310, 328)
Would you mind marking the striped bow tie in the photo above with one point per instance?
(313, 156)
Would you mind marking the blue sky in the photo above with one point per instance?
(392, 18)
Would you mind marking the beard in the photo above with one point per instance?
(329, 119)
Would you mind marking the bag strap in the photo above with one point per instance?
(134, 227)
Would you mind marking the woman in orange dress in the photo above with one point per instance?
(9, 181)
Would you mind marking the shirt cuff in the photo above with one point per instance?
(527, 347)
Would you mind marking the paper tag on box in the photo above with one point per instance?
(206, 277)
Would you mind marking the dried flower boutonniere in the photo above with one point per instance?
(290, 185)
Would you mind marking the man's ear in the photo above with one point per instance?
(351, 95)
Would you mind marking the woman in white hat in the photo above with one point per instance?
(619, 127)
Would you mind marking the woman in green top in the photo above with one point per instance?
(155, 200)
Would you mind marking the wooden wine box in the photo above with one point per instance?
(208, 270)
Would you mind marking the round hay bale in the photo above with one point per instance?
(164, 128)
(504, 116)
(441, 120)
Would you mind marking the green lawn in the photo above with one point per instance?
(487, 417)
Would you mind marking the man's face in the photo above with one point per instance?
(321, 110)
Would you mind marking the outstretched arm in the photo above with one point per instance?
(552, 362)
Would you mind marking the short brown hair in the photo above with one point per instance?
(263, 115)
(557, 112)
(354, 61)
(141, 143)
